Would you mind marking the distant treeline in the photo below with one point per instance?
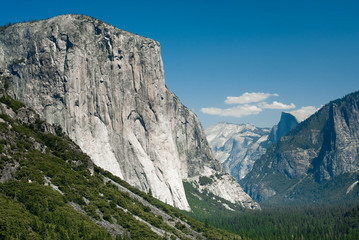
(302, 222)
(3, 27)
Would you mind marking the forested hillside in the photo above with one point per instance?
(301, 222)
(51, 190)
(316, 161)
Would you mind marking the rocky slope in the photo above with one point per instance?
(50, 189)
(320, 153)
(290, 120)
(105, 87)
(237, 146)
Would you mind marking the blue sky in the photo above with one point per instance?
(271, 55)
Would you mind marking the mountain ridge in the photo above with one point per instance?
(286, 123)
(321, 148)
(237, 146)
(50, 189)
(105, 87)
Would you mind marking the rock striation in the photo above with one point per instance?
(45, 176)
(225, 187)
(321, 149)
(105, 87)
(237, 146)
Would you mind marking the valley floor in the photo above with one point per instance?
(301, 222)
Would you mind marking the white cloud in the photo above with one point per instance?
(252, 104)
(304, 112)
(249, 98)
(238, 111)
(276, 105)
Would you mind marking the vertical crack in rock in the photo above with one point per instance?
(123, 117)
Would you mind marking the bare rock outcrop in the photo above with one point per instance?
(321, 149)
(105, 87)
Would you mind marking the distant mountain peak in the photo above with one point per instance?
(287, 122)
(317, 161)
(237, 146)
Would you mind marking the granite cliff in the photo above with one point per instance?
(105, 87)
(50, 189)
(286, 123)
(238, 146)
(318, 159)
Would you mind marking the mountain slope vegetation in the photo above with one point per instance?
(317, 161)
(50, 189)
(106, 88)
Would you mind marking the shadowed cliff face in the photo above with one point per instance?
(238, 147)
(340, 148)
(106, 88)
(287, 122)
(320, 149)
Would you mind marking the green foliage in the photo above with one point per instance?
(208, 231)
(204, 205)
(3, 27)
(65, 166)
(331, 191)
(181, 227)
(204, 180)
(333, 220)
(302, 222)
(33, 211)
(11, 103)
(278, 170)
(52, 176)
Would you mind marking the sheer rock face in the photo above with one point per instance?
(340, 151)
(321, 148)
(287, 122)
(239, 146)
(106, 88)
